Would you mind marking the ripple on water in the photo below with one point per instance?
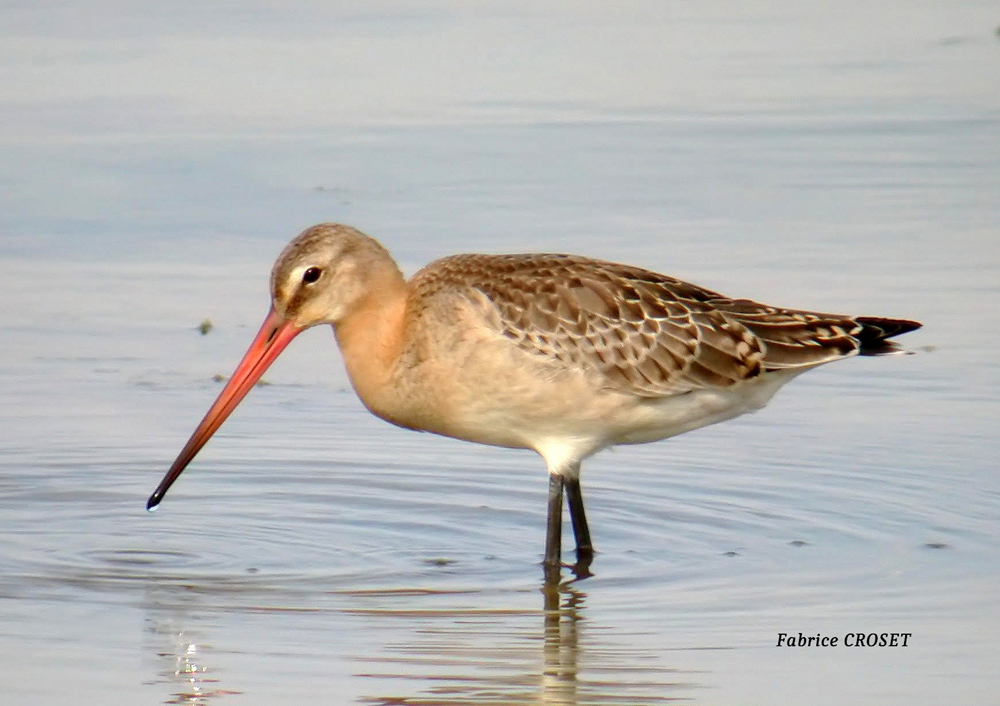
(131, 560)
(266, 520)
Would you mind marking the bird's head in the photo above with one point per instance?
(323, 275)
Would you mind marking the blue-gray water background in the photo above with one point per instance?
(154, 159)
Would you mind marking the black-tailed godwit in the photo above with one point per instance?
(561, 354)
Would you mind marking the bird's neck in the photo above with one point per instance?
(371, 336)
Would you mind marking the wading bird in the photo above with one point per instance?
(561, 354)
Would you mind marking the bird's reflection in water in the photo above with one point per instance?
(562, 617)
(432, 647)
(480, 656)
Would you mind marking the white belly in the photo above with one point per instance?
(565, 423)
(668, 416)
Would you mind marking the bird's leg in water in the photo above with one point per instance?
(553, 534)
(584, 547)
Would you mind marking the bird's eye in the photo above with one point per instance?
(311, 275)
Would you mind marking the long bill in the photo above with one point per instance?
(272, 338)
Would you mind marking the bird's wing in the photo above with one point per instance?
(637, 331)
(793, 338)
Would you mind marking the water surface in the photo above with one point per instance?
(154, 162)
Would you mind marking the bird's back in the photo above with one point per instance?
(641, 332)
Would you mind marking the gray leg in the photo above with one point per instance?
(584, 547)
(553, 534)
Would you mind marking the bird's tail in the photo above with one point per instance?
(876, 330)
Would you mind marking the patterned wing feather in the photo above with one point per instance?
(794, 338)
(645, 333)
(638, 331)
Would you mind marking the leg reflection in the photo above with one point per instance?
(563, 606)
